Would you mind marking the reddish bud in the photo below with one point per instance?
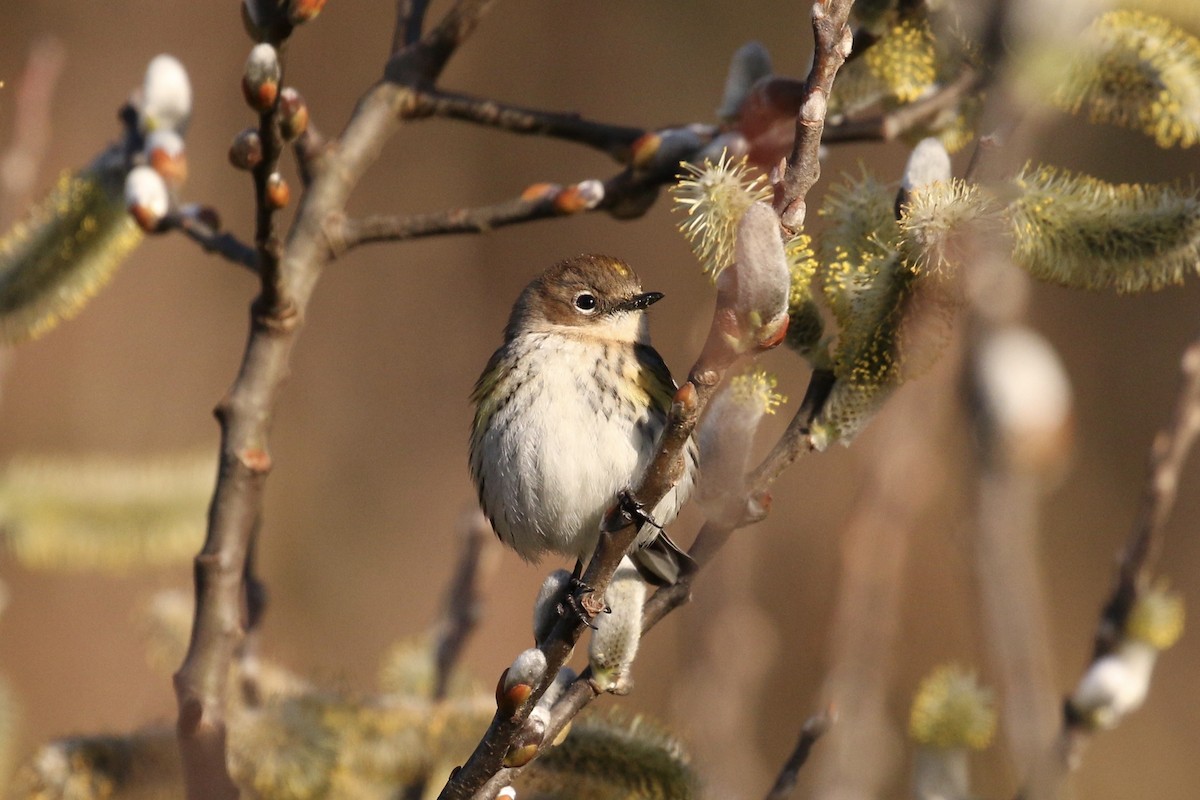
(582, 196)
(293, 114)
(541, 191)
(301, 11)
(246, 152)
(260, 79)
(166, 155)
(278, 193)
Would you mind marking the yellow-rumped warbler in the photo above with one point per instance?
(568, 413)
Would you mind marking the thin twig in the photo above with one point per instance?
(410, 19)
(214, 241)
(814, 728)
(201, 684)
(615, 140)
(355, 232)
(831, 44)
(897, 122)
(461, 611)
(1167, 455)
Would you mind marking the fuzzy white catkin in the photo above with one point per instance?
(762, 274)
(1116, 684)
(1024, 383)
(527, 668)
(146, 190)
(166, 140)
(928, 163)
(615, 640)
(546, 606)
(726, 436)
(166, 102)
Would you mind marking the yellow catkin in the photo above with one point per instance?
(714, 198)
(1156, 618)
(1139, 71)
(64, 252)
(951, 710)
(1077, 231)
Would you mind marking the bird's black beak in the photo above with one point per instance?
(640, 301)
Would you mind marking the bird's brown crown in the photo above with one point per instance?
(582, 291)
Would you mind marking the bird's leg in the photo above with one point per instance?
(628, 511)
(574, 594)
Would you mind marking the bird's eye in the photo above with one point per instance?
(585, 302)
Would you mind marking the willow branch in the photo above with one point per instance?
(245, 413)
(214, 241)
(615, 140)
(891, 125)
(410, 19)
(814, 728)
(1167, 456)
(831, 44)
(461, 611)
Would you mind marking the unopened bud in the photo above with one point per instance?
(526, 743)
(517, 682)
(541, 191)
(166, 101)
(279, 194)
(547, 608)
(507, 793)
(166, 154)
(146, 197)
(293, 114)
(615, 640)
(301, 11)
(661, 151)
(260, 79)
(246, 152)
(1115, 684)
(582, 196)
(757, 287)
(565, 677)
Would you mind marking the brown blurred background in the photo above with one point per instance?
(370, 438)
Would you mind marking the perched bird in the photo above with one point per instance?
(568, 413)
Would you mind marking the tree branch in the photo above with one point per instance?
(1167, 456)
(615, 140)
(814, 728)
(410, 18)
(214, 241)
(246, 412)
(893, 124)
(831, 44)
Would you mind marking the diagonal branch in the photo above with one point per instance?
(213, 240)
(245, 414)
(832, 39)
(616, 140)
(814, 728)
(897, 122)
(1167, 455)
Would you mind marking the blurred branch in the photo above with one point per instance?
(353, 232)
(31, 131)
(831, 44)
(212, 240)
(461, 612)
(245, 413)
(897, 122)
(814, 728)
(616, 140)
(1167, 456)
(410, 19)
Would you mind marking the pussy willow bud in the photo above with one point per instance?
(517, 682)
(166, 101)
(279, 194)
(260, 79)
(526, 744)
(1114, 685)
(547, 606)
(167, 156)
(246, 152)
(1026, 398)
(758, 285)
(301, 11)
(658, 151)
(565, 677)
(615, 640)
(146, 197)
(577, 197)
(293, 114)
